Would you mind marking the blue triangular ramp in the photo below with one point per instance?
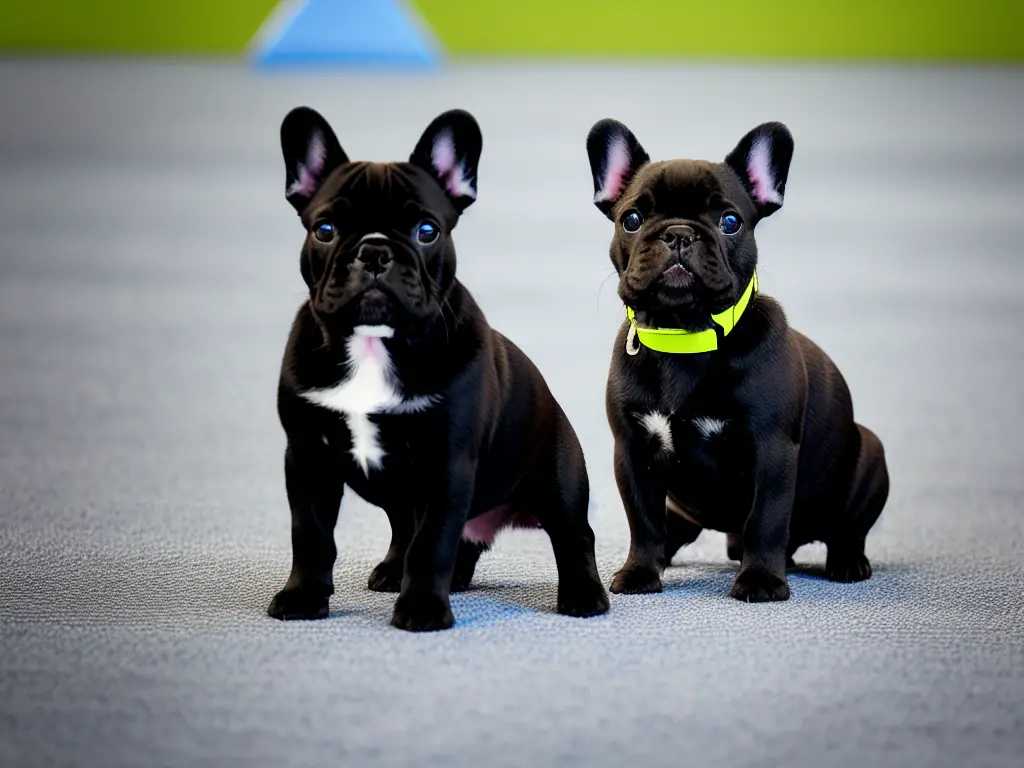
(366, 32)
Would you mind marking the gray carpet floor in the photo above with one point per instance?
(148, 275)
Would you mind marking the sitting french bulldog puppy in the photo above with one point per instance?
(724, 417)
(394, 384)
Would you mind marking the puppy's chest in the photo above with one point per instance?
(379, 420)
(704, 430)
(705, 457)
(688, 436)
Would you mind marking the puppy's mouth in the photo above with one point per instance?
(384, 299)
(677, 276)
(383, 291)
(374, 306)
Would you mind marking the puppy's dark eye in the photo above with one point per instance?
(427, 232)
(730, 223)
(631, 221)
(324, 231)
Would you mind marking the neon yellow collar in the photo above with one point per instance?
(678, 341)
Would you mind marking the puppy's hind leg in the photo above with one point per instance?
(560, 498)
(387, 576)
(734, 547)
(465, 563)
(846, 561)
(678, 531)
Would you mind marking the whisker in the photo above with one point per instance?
(600, 289)
(441, 303)
(447, 333)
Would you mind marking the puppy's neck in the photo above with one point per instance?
(367, 344)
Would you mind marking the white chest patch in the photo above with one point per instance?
(707, 426)
(657, 425)
(371, 387)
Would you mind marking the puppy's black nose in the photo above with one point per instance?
(375, 258)
(679, 237)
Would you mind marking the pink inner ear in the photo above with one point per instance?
(759, 169)
(450, 172)
(616, 169)
(307, 177)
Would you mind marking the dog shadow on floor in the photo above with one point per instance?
(479, 606)
(483, 605)
(489, 600)
(494, 600)
(807, 581)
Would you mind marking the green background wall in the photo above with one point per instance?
(131, 26)
(886, 29)
(986, 30)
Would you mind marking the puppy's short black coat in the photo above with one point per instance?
(757, 438)
(393, 383)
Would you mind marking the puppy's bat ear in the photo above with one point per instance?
(449, 150)
(761, 160)
(311, 152)
(615, 157)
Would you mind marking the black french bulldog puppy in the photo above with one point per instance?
(739, 424)
(394, 384)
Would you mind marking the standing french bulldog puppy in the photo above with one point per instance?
(394, 384)
(724, 417)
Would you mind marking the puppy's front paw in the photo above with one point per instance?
(387, 576)
(296, 603)
(583, 600)
(636, 580)
(755, 585)
(422, 612)
(847, 568)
